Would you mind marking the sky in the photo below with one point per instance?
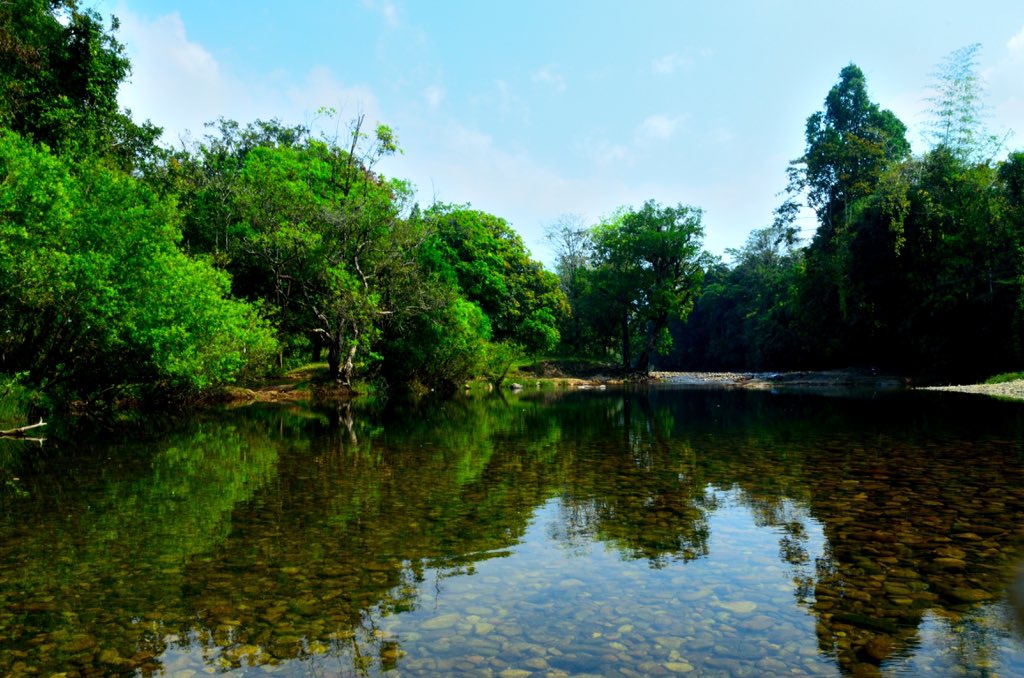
(534, 110)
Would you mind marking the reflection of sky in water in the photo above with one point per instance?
(657, 532)
(583, 606)
(984, 642)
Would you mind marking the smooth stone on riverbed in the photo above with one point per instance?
(679, 667)
(739, 606)
(444, 621)
(970, 595)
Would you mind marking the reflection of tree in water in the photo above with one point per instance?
(633, 487)
(297, 538)
(790, 519)
(909, 527)
(93, 556)
(365, 524)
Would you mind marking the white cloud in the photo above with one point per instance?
(509, 102)
(320, 88)
(669, 64)
(463, 164)
(658, 127)
(1016, 43)
(385, 8)
(179, 85)
(549, 77)
(175, 82)
(434, 95)
(604, 154)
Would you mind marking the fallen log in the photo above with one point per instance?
(20, 431)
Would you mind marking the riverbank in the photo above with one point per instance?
(302, 384)
(850, 379)
(1013, 390)
(831, 380)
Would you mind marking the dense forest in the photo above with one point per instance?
(131, 271)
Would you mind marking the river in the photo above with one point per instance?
(638, 532)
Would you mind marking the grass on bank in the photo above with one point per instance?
(1005, 377)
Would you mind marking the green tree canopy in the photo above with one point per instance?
(491, 266)
(60, 70)
(849, 144)
(94, 292)
(649, 265)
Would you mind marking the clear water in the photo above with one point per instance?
(624, 533)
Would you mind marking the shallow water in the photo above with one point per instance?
(623, 533)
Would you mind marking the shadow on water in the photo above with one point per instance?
(657, 531)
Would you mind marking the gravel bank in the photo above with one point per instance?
(831, 380)
(1009, 389)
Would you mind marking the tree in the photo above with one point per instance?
(746, 315)
(851, 143)
(957, 114)
(649, 266)
(571, 242)
(60, 70)
(319, 235)
(487, 260)
(95, 295)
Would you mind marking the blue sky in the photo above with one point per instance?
(531, 110)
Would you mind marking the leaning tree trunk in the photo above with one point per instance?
(348, 371)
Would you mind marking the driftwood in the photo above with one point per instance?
(20, 432)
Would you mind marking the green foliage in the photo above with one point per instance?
(308, 228)
(499, 358)
(916, 264)
(571, 242)
(745, 317)
(441, 349)
(957, 110)
(648, 266)
(91, 277)
(849, 144)
(59, 74)
(488, 262)
(1005, 377)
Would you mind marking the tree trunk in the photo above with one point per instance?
(643, 363)
(334, 359)
(349, 369)
(625, 341)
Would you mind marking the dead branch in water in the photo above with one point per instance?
(20, 432)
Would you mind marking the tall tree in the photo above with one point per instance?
(650, 265)
(319, 235)
(957, 113)
(570, 241)
(850, 145)
(60, 70)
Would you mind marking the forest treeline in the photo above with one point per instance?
(915, 265)
(130, 270)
